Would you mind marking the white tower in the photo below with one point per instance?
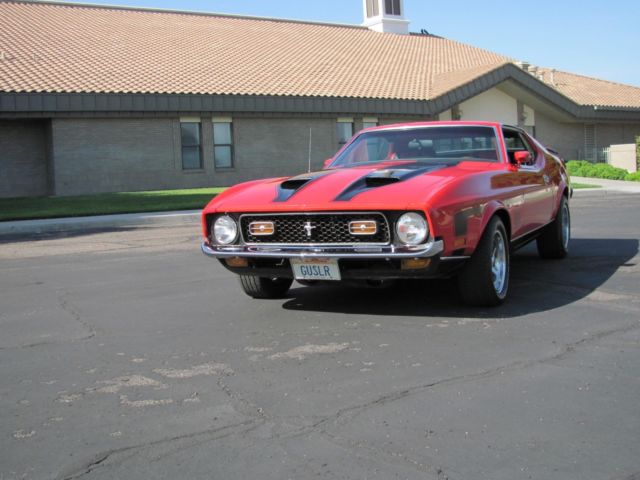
(385, 16)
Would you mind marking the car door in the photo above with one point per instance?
(535, 184)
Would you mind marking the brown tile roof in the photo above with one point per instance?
(47, 47)
(62, 48)
(591, 91)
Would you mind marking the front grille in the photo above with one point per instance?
(316, 228)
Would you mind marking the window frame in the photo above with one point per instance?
(344, 121)
(393, 7)
(198, 146)
(222, 121)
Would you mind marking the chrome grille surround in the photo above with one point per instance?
(322, 228)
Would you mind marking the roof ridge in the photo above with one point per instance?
(65, 3)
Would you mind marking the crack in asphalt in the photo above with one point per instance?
(67, 306)
(349, 413)
(100, 460)
(390, 458)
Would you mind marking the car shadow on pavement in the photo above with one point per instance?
(536, 285)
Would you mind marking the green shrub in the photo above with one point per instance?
(582, 168)
(638, 153)
(633, 177)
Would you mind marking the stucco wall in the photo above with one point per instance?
(624, 156)
(23, 158)
(493, 106)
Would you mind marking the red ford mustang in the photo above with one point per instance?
(418, 200)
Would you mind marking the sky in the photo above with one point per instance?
(594, 38)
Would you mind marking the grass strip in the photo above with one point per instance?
(584, 185)
(105, 204)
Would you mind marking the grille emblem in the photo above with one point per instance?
(309, 228)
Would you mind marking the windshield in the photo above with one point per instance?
(439, 144)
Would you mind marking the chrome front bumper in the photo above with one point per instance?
(430, 249)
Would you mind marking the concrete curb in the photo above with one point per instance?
(613, 186)
(74, 224)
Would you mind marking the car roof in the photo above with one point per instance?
(436, 123)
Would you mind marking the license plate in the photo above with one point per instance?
(315, 269)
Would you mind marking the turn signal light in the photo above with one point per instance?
(258, 229)
(237, 262)
(363, 227)
(415, 263)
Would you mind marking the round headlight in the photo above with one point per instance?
(225, 230)
(412, 229)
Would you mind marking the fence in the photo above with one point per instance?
(595, 155)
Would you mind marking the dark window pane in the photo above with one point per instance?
(396, 7)
(222, 157)
(190, 133)
(191, 158)
(222, 133)
(388, 7)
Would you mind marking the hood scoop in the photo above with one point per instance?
(289, 187)
(294, 183)
(380, 178)
(384, 177)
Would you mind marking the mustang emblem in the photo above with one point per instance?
(309, 228)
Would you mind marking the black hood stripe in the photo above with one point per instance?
(289, 187)
(385, 176)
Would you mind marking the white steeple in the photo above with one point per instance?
(385, 16)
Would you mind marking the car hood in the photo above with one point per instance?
(393, 185)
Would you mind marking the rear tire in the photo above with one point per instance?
(554, 240)
(484, 281)
(265, 287)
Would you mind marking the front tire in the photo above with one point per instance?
(265, 287)
(484, 281)
(554, 240)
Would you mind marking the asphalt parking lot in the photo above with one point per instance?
(128, 354)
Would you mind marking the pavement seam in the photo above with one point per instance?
(100, 460)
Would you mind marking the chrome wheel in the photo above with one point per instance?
(498, 262)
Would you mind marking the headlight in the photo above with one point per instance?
(225, 230)
(412, 229)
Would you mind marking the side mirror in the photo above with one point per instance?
(522, 158)
(326, 163)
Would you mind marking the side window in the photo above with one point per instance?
(516, 142)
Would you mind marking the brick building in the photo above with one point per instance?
(99, 99)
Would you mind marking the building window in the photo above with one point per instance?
(223, 142)
(372, 8)
(190, 137)
(392, 7)
(590, 143)
(368, 122)
(345, 130)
